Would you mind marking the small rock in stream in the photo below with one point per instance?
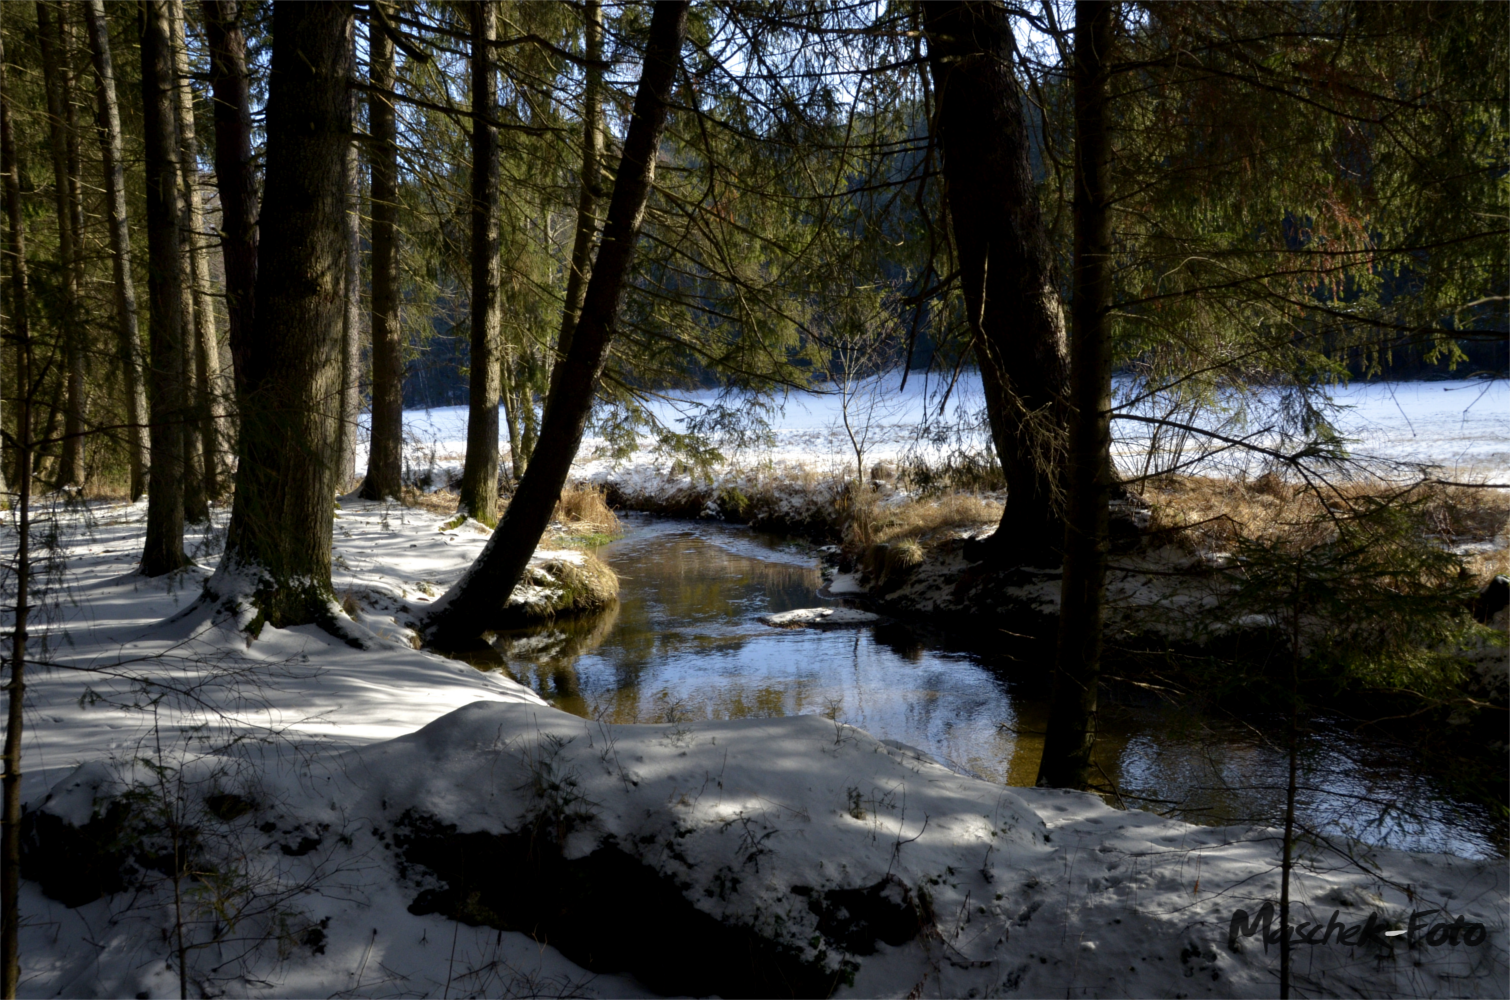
(819, 618)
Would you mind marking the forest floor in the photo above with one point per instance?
(291, 816)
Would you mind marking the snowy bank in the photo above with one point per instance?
(748, 858)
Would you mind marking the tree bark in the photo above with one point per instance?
(591, 179)
(466, 609)
(512, 412)
(479, 476)
(163, 551)
(78, 387)
(208, 402)
(385, 457)
(1071, 734)
(277, 557)
(235, 179)
(1006, 267)
(128, 336)
(351, 324)
(56, 60)
(20, 305)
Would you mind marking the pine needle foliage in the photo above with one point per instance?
(1362, 599)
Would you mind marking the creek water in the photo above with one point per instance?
(684, 644)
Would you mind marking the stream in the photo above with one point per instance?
(684, 644)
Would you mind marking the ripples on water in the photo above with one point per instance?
(683, 644)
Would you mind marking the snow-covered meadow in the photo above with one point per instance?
(345, 796)
(1459, 427)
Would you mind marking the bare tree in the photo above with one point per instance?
(53, 32)
(129, 345)
(1071, 734)
(163, 551)
(351, 326)
(385, 457)
(591, 179)
(235, 178)
(479, 476)
(484, 589)
(208, 401)
(10, 818)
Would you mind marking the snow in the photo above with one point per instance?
(119, 656)
(762, 823)
(819, 618)
(767, 825)
(1461, 427)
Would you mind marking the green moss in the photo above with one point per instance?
(595, 540)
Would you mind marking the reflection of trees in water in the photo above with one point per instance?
(678, 649)
(684, 595)
(681, 595)
(545, 658)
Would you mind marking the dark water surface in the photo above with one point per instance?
(684, 644)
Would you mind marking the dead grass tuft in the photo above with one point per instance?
(921, 523)
(439, 502)
(583, 510)
(1198, 512)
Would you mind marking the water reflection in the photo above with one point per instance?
(683, 644)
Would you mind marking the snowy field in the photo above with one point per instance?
(1460, 428)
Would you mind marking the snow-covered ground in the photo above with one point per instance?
(335, 789)
(121, 645)
(1462, 427)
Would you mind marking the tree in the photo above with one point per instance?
(1071, 731)
(385, 456)
(580, 266)
(351, 327)
(1005, 264)
(464, 611)
(163, 551)
(128, 337)
(277, 557)
(204, 353)
(55, 34)
(235, 178)
(479, 476)
(20, 305)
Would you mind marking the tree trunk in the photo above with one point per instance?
(10, 812)
(163, 551)
(78, 387)
(466, 609)
(512, 414)
(385, 457)
(1071, 731)
(277, 557)
(592, 169)
(235, 179)
(351, 323)
(529, 428)
(129, 344)
(207, 402)
(196, 502)
(1006, 266)
(479, 476)
(56, 60)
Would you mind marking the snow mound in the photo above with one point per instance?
(819, 618)
(764, 856)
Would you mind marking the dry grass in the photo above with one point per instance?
(583, 510)
(923, 522)
(1199, 512)
(439, 502)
